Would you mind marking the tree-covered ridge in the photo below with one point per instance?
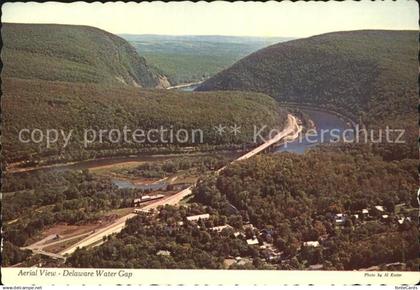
(370, 74)
(74, 54)
(75, 106)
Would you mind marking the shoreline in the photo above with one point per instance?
(314, 107)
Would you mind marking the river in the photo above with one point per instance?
(324, 122)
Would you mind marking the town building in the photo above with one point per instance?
(195, 218)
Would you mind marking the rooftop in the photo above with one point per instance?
(199, 216)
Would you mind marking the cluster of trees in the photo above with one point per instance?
(48, 198)
(298, 195)
(12, 254)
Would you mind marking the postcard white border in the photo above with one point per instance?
(56, 276)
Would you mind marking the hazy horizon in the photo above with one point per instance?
(243, 19)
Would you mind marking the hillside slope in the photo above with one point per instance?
(370, 74)
(68, 106)
(74, 54)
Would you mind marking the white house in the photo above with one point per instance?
(252, 241)
(379, 208)
(340, 218)
(163, 253)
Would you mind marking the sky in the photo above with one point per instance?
(285, 19)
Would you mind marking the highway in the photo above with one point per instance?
(291, 131)
(97, 236)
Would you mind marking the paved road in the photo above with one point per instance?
(291, 129)
(52, 255)
(50, 241)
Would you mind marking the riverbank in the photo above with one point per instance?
(326, 126)
(351, 119)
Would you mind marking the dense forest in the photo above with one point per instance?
(368, 75)
(73, 53)
(35, 104)
(296, 196)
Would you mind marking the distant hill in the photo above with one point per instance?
(69, 106)
(191, 58)
(370, 74)
(74, 54)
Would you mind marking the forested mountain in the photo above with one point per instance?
(369, 74)
(78, 77)
(75, 54)
(68, 106)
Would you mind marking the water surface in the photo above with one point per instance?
(324, 122)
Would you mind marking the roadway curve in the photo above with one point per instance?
(290, 132)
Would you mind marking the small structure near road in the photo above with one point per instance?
(198, 217)
(253, 241)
